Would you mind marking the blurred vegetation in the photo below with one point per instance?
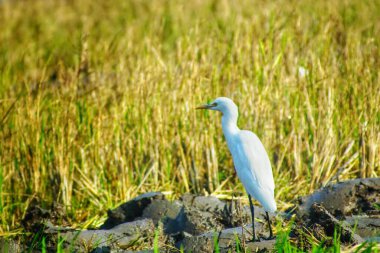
(97, 98)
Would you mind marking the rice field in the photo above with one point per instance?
(97, 98)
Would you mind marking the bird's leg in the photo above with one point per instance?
(253, 219)
(270, 228)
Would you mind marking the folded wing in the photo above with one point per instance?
(254, 169)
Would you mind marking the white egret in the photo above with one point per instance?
(250, 159)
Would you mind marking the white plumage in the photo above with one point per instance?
(253, 168)
(250, 159)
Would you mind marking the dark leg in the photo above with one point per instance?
(270, 228)
(253, 219)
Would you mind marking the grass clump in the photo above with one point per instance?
(97, 98)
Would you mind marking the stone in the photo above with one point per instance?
(121, 236)
(351, 197)
(130, 210)
(365, 226)
(227, 241)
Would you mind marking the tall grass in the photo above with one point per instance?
(97, 97)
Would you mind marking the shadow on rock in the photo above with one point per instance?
(196, 222)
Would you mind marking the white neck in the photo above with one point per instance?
(229, 124)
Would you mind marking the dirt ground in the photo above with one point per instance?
(195, 223)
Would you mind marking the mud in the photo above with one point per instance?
(321, 220)
(131, 210)
(354, 197)
(123, 236)
(365, 226)
(9, 246)
(195, 223)
(227, 241)
(38, 217)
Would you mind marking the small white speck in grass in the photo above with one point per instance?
(302, 72)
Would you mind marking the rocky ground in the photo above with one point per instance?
(195, 223)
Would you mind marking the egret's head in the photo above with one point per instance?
(222, 104)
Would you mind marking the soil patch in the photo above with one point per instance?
(195, 223)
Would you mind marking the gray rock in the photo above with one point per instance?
(120, 237)
(192, 214)
(198, 214)
(349, 206)
(365, 226)
(191, 221)
(207, 213)
(345, 198)
(130, 210)
(166, 212)
(227, 241)
(203, 203)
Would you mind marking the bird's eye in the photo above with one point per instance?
(214, 104)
